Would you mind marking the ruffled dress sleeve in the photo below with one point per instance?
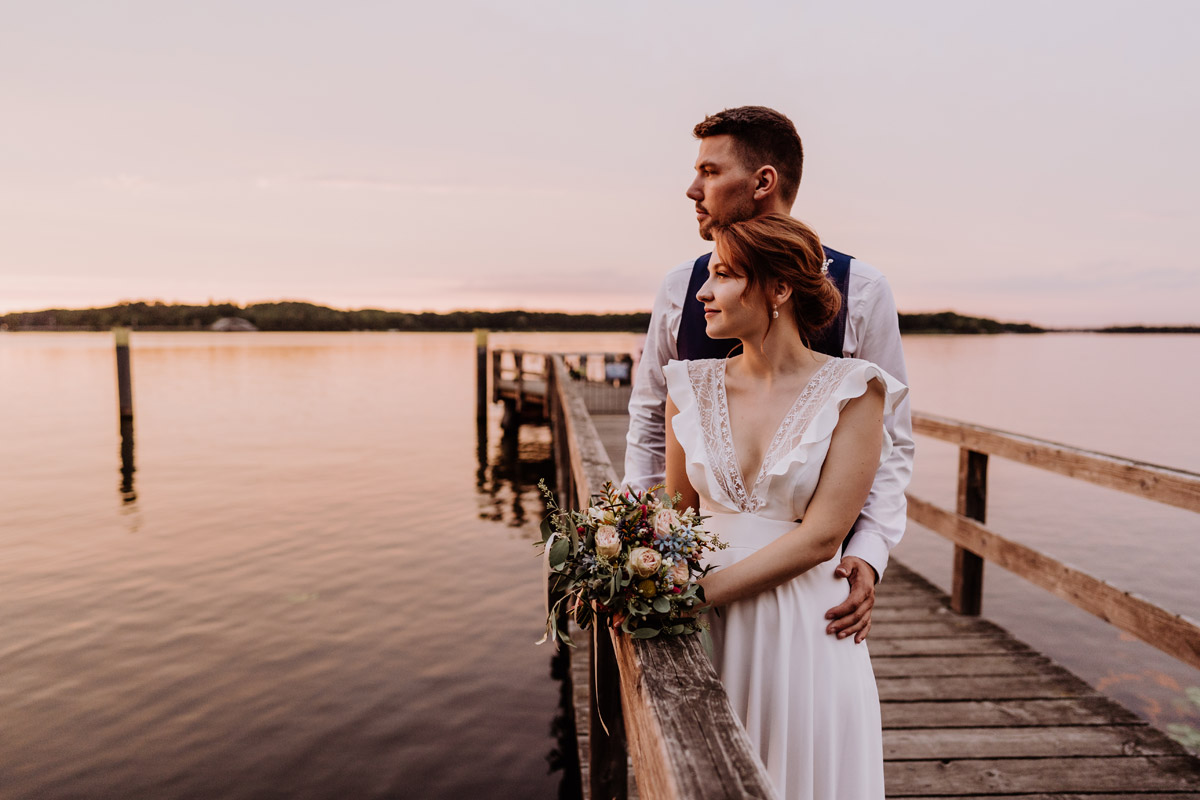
(679, 389)
(854, 384)
(690, 386)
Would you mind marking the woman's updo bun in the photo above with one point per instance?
(776, 247)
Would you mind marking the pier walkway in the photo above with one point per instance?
(968, 710)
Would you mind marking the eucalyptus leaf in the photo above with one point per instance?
(661, 604)
(558, 552)
(645, 633)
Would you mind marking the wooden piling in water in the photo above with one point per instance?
(124, 381)
(481, 373)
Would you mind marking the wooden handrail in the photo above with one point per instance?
(1174, 487)
(1174, 634)
(683, 737)
(1171, 633)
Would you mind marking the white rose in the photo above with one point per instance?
(663, 521)
(608, 541)
(644, 561)
(679, 573)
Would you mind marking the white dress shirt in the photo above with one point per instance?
(872, 333)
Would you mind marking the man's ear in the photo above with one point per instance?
(766, 182)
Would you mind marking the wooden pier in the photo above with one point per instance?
(968, 710)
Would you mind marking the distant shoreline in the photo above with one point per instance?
(297, 316)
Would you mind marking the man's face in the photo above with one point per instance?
(723, 189)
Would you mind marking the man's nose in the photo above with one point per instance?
(694, 192)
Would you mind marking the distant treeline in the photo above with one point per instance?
(297, 316)
(949, 322)
(1150, 329)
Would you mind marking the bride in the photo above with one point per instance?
(780, 445)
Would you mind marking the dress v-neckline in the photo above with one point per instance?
(769, 454)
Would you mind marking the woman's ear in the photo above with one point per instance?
(780, 293)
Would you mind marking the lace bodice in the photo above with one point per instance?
(792, 461)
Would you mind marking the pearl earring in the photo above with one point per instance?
(774, 312)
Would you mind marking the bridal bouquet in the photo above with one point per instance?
(631, 558)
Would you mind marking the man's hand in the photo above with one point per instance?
(854, 615)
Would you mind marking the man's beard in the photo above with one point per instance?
(738, 213)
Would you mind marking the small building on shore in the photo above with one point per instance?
(232, 324)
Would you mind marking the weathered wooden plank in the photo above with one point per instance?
(682, 732)
(1091, 710)
(931, 628)
(1171, 486)
(911, 600)
(1047, 775)
(974, 666)
(884, 612)
(975, 645)
(1039, 742)
(1174, 634)
(991, 687)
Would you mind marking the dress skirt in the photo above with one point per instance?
(807, 699)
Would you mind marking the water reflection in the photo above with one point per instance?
(128, 495)
(506, 480)
(508, 473)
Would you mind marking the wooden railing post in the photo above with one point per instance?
(966, 594)
(606, 728)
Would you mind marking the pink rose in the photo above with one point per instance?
(644, 561)
(608, 541)
(663, 521)
(679, 573)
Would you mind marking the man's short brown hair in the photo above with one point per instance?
(763, 136)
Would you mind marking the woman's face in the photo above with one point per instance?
(730, 311)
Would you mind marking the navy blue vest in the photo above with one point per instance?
(693, 341)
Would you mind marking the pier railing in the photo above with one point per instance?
(657, 699)
(1171, 633)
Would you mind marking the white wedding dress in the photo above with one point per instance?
(806, 698)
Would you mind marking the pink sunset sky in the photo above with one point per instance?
(1022, 160)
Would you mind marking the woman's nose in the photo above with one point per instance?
(704, 294)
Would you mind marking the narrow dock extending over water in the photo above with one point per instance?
(968, 710)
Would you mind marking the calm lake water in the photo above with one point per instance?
(320, 583)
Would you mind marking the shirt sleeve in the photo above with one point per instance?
(874, 336)
(646, 442)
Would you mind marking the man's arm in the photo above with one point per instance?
(874, 335)
(645, 444)
(883, 518)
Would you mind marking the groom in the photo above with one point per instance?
(750, 164)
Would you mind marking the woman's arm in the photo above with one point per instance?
(845, 481)
(677, 479)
